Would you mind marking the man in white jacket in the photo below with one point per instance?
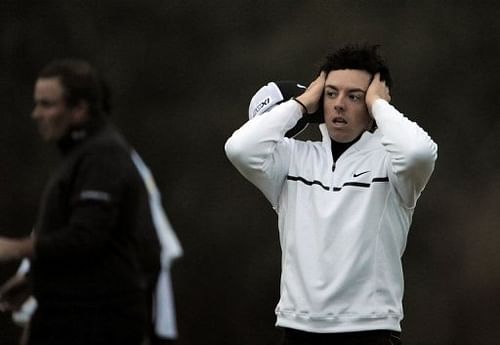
(344, 204)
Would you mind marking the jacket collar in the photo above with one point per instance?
(365, 140)
(79, 134)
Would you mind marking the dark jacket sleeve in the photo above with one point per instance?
(94, 193)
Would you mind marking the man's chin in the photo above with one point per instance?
(342, 136)
(47, 137)
(338, 135)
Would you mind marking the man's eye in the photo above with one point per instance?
(331, 93)
(47, 103)
(356, 98)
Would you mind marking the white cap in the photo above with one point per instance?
(272, 94)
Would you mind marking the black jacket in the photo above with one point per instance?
(95, 238)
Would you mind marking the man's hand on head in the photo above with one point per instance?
(376, 90)
(312, 96)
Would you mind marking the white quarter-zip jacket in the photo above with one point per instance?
(343, 225)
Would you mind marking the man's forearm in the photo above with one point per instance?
(15, 249)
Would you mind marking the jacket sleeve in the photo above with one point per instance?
(95, 194)
(412, 151)
(260, 151)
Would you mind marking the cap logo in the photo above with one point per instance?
(262, 104)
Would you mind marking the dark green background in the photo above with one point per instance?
(183, 73)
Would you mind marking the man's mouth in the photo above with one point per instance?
(339, 121)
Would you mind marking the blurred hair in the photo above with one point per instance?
(80, 82)
(361, 57)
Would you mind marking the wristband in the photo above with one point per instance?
(305, 112)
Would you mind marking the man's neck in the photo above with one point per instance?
(78, 134)
(339, 148)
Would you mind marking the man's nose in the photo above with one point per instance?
(339, 104)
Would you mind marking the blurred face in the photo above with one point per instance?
(51, 113)
(346, 114)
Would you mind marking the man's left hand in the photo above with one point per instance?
(377, 90)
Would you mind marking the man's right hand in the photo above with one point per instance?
(14, 293)
(312, 96)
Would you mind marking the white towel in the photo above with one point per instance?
(164, 308)
(22, 316)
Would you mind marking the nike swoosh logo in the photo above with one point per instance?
(361, 173)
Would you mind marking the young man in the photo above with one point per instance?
(344, 204)
(95, 249)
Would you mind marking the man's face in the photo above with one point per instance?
(51, 113)
(346, 114)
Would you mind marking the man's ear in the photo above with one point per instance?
(373, 126)
(80, 113)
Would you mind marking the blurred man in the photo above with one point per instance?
(95, 250)
(344, 204)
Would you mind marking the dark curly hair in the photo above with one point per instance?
(80, 81)
(361, 57)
